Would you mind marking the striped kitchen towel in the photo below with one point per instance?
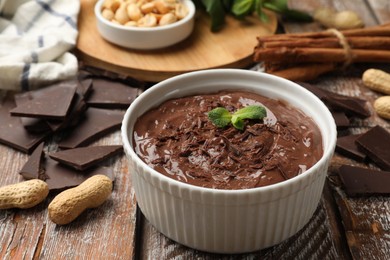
(35, 39)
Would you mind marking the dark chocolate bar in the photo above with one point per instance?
(95, 123)
(52, 102)
(347, 146)
(85, 157)
(376, 144)
(32, 168)
(13, 133)
(111, 94)
(363, 181)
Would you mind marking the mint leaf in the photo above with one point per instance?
(242, 8)
(237, 122)
(251, 112)
(220, 116)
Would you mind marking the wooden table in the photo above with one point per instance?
(341, 228)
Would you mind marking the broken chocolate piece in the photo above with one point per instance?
(346, 146)
(13, 133)
(352, 106)
(376, 144)
(363, 181)
(86, 87)
(341, 120)
(85, 157)
(35, 125)
(59, 177)
(95, 123)
(111, 94)
(32, 168)
(93, 72)
(77, 109)
(320, 93)
(45, 103)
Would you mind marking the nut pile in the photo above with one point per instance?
(143, 13)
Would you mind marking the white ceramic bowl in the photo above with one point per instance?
(228, 221)
(146, 38)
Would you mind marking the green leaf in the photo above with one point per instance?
(281, 7)
(242, 8)
(251, 112)
(220, 116)
(259, 10)
(237, 122)
(217, 13)
(298, 16)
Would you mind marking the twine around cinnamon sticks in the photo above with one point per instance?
(305, 56)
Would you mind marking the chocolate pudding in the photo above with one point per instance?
(178, 140)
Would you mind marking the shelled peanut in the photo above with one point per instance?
(379, 81)
(144, 13)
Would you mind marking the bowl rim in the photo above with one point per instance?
(327, 153)
(191, 13)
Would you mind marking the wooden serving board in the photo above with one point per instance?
(232, 47)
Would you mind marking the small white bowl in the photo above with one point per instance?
(142, 38)
(228, 221)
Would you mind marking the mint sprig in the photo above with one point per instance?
(221, 117)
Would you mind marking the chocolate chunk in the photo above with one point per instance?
(376, 144)
(86, 87)
(77, 109)
(93, 72)
(13, 133)
(111, 94)
(352, 106)
(346, 146)
(320, 93)
(341, 120)
(49, 103)
(32, 168)
(85, 157)
(36, 125)
(59, 177)
(361, 181)
(95, 123)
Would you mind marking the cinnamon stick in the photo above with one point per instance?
(316, 53)
(322, 55)
(305, 72)
(359, 42)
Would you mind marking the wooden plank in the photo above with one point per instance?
(358, 6)
(105, 232)
(381, 10)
